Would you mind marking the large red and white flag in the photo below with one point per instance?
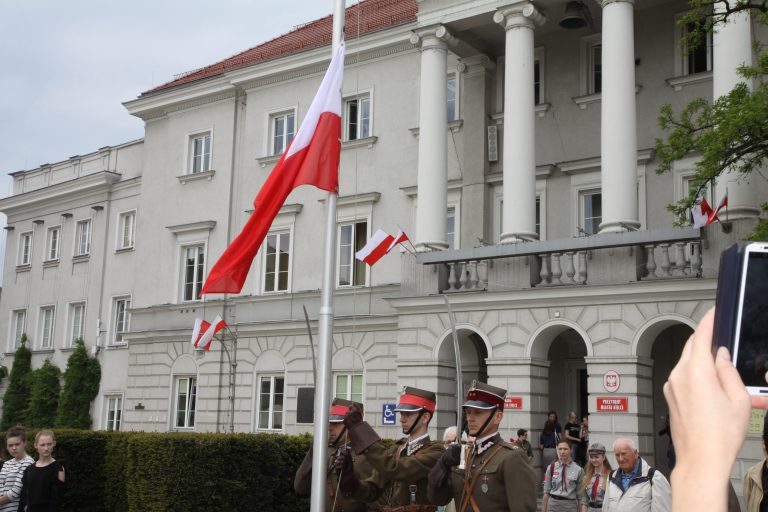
(700, 213)
(312, 158)
(399, 238)
(204, 342)
(377, 246)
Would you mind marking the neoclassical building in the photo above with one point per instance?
(513, 141)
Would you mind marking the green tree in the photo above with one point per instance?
(44, 396)
(81, 385)
(17, 395)
(730, 133)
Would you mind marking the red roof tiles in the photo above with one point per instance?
(373, 15)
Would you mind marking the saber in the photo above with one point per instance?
(459, 375)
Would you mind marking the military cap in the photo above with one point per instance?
(415, 399)
(485, 396)
(340, 408)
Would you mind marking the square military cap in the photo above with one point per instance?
(415, 399)
(340, 408)
(485, 396)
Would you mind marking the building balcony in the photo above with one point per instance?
(603, 259)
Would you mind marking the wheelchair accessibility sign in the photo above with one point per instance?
(388, 414)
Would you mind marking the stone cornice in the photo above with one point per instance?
(198, 94)
(67, 190)
(203, 225)
(639, 292)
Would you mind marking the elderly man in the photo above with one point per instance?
(635, 486)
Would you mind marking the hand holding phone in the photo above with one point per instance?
(750, 341)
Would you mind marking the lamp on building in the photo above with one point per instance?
(576, 16)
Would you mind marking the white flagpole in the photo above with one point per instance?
(325, 324)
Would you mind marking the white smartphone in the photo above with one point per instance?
(750, 346)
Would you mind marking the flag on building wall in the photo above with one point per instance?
(200, 327)
(713, 216)
(205, 339)
(700, 213)
(375, 248)
(312, 158)
(399, 238)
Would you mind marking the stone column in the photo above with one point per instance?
(618, 130)
(432, 206)
(732, 47)
(519, 148)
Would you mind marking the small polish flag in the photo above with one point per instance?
(377, 246)
(200, 327)
(700, 213)
(204, 343)
(400, 237)
(713, 215)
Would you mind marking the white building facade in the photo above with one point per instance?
(517, 155)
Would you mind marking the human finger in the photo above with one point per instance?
(759, 402)
(702, 337)
(729, 377)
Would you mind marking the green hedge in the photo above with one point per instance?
(138, 471)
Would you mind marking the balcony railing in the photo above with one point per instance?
(597, 259)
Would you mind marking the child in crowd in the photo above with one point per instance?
(43, 481)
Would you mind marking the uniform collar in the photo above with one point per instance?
(486, 442)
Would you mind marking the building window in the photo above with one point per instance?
(595, 67)
(538, 75)
(450, 231)
(19, 326)
(47, 315)
(76, 322)
(52, 243)
(349, 386)
(277, 259)
(271, 394)
(592, 211)
(357, 112)
(114, 412)
(200, 151)
(352, 238)
(696, 55)
(122, 317)
(452, 111)
(83, 238)
(25, 248)
(194, 268)
(283, 130)
(186, 393)
(126, 230)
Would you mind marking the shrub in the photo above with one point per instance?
(16, 396)
(81, 385)
(44, 396)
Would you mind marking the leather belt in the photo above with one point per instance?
(554, 497)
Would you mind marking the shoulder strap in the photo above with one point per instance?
(651, 472)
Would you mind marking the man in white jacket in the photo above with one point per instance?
(635, 486)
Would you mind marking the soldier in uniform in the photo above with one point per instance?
(400, 480)
(496, 476)
(339, 446)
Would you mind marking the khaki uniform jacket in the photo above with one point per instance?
(302, 483)
(507, 483)
(395, 472)
(753, 487)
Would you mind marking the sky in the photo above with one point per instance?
(66, 67)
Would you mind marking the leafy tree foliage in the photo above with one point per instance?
(17, 395)
(730, 133)
(81, 384)
(44, 396)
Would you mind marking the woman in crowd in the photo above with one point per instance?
(13, 469)
(548, 444)
(562, 480)
(572, 434)
(43, 480)
(596, 475)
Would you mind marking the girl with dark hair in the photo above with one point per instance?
(548, 444)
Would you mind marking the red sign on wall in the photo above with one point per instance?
(513, 402)
(612, 404)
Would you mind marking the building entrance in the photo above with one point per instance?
(568, 376)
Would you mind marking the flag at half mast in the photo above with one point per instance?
(312, 158)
